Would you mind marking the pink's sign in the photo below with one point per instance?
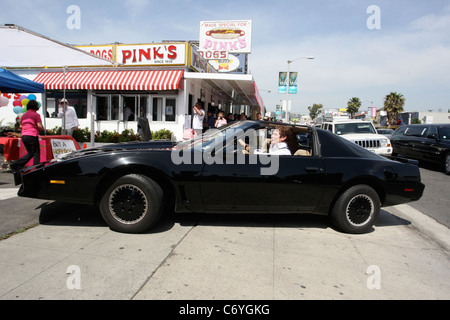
(226, 36)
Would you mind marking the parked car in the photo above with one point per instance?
(424, 142)
(386, 132)
(133, 184)
(360, 132)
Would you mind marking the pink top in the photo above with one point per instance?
(29, 123)
(221, 123)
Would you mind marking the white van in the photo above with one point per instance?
(360, 132)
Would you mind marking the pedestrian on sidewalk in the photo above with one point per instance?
(69, 118)
(31, 124)
(199, 115)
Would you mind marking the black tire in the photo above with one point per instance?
(447, 163)
(132, 204)
(356, 210)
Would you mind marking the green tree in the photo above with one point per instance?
(315, 110)
(353, 106)
(393, 105)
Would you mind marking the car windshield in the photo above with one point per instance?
(211, 138)
(358, 127)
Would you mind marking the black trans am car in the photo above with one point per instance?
(424, 142)
(229, 170)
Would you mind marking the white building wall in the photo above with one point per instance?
(434, 117)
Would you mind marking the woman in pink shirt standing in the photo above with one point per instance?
(31, 124)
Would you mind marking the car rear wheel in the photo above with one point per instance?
(132, 204)
(447, 163)
(356, 210)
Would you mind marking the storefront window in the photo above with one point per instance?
(164, 109)
(157, 109)
(134, 107)
(142, 107)
(78, 100)
(102, 108)
(114, 107)
(171, 109)
(107, 107)
(129, 108)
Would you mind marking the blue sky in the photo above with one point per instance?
(409, 54)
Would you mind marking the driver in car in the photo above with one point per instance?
(278, 145)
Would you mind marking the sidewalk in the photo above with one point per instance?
(221, 257)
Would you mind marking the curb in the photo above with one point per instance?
(425, 225)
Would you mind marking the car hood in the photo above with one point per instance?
(141, 145)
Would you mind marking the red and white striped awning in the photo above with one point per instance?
(140, 80)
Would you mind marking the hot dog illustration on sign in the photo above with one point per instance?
(230, 36)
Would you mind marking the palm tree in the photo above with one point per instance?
(393, 105)
(353, 106)
(315, 110)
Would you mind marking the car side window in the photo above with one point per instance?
(444, 133)
(400, 131)
(416, 131)
(424, 132)
(432, 132)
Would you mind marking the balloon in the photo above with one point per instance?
(22, 97)
(18, 110)
(39, 104)
(31, 97)
(25, 102)
(17, 103)
(4, 101)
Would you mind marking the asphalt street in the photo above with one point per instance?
(435, 201)
(70, 253)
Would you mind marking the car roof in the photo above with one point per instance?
(343, 119)
(430, 124)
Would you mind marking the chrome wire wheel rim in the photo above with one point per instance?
(360, 210)
(128, 204)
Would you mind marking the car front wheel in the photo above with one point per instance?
(132, 204)
(356, 210)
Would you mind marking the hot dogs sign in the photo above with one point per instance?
(218, 38)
